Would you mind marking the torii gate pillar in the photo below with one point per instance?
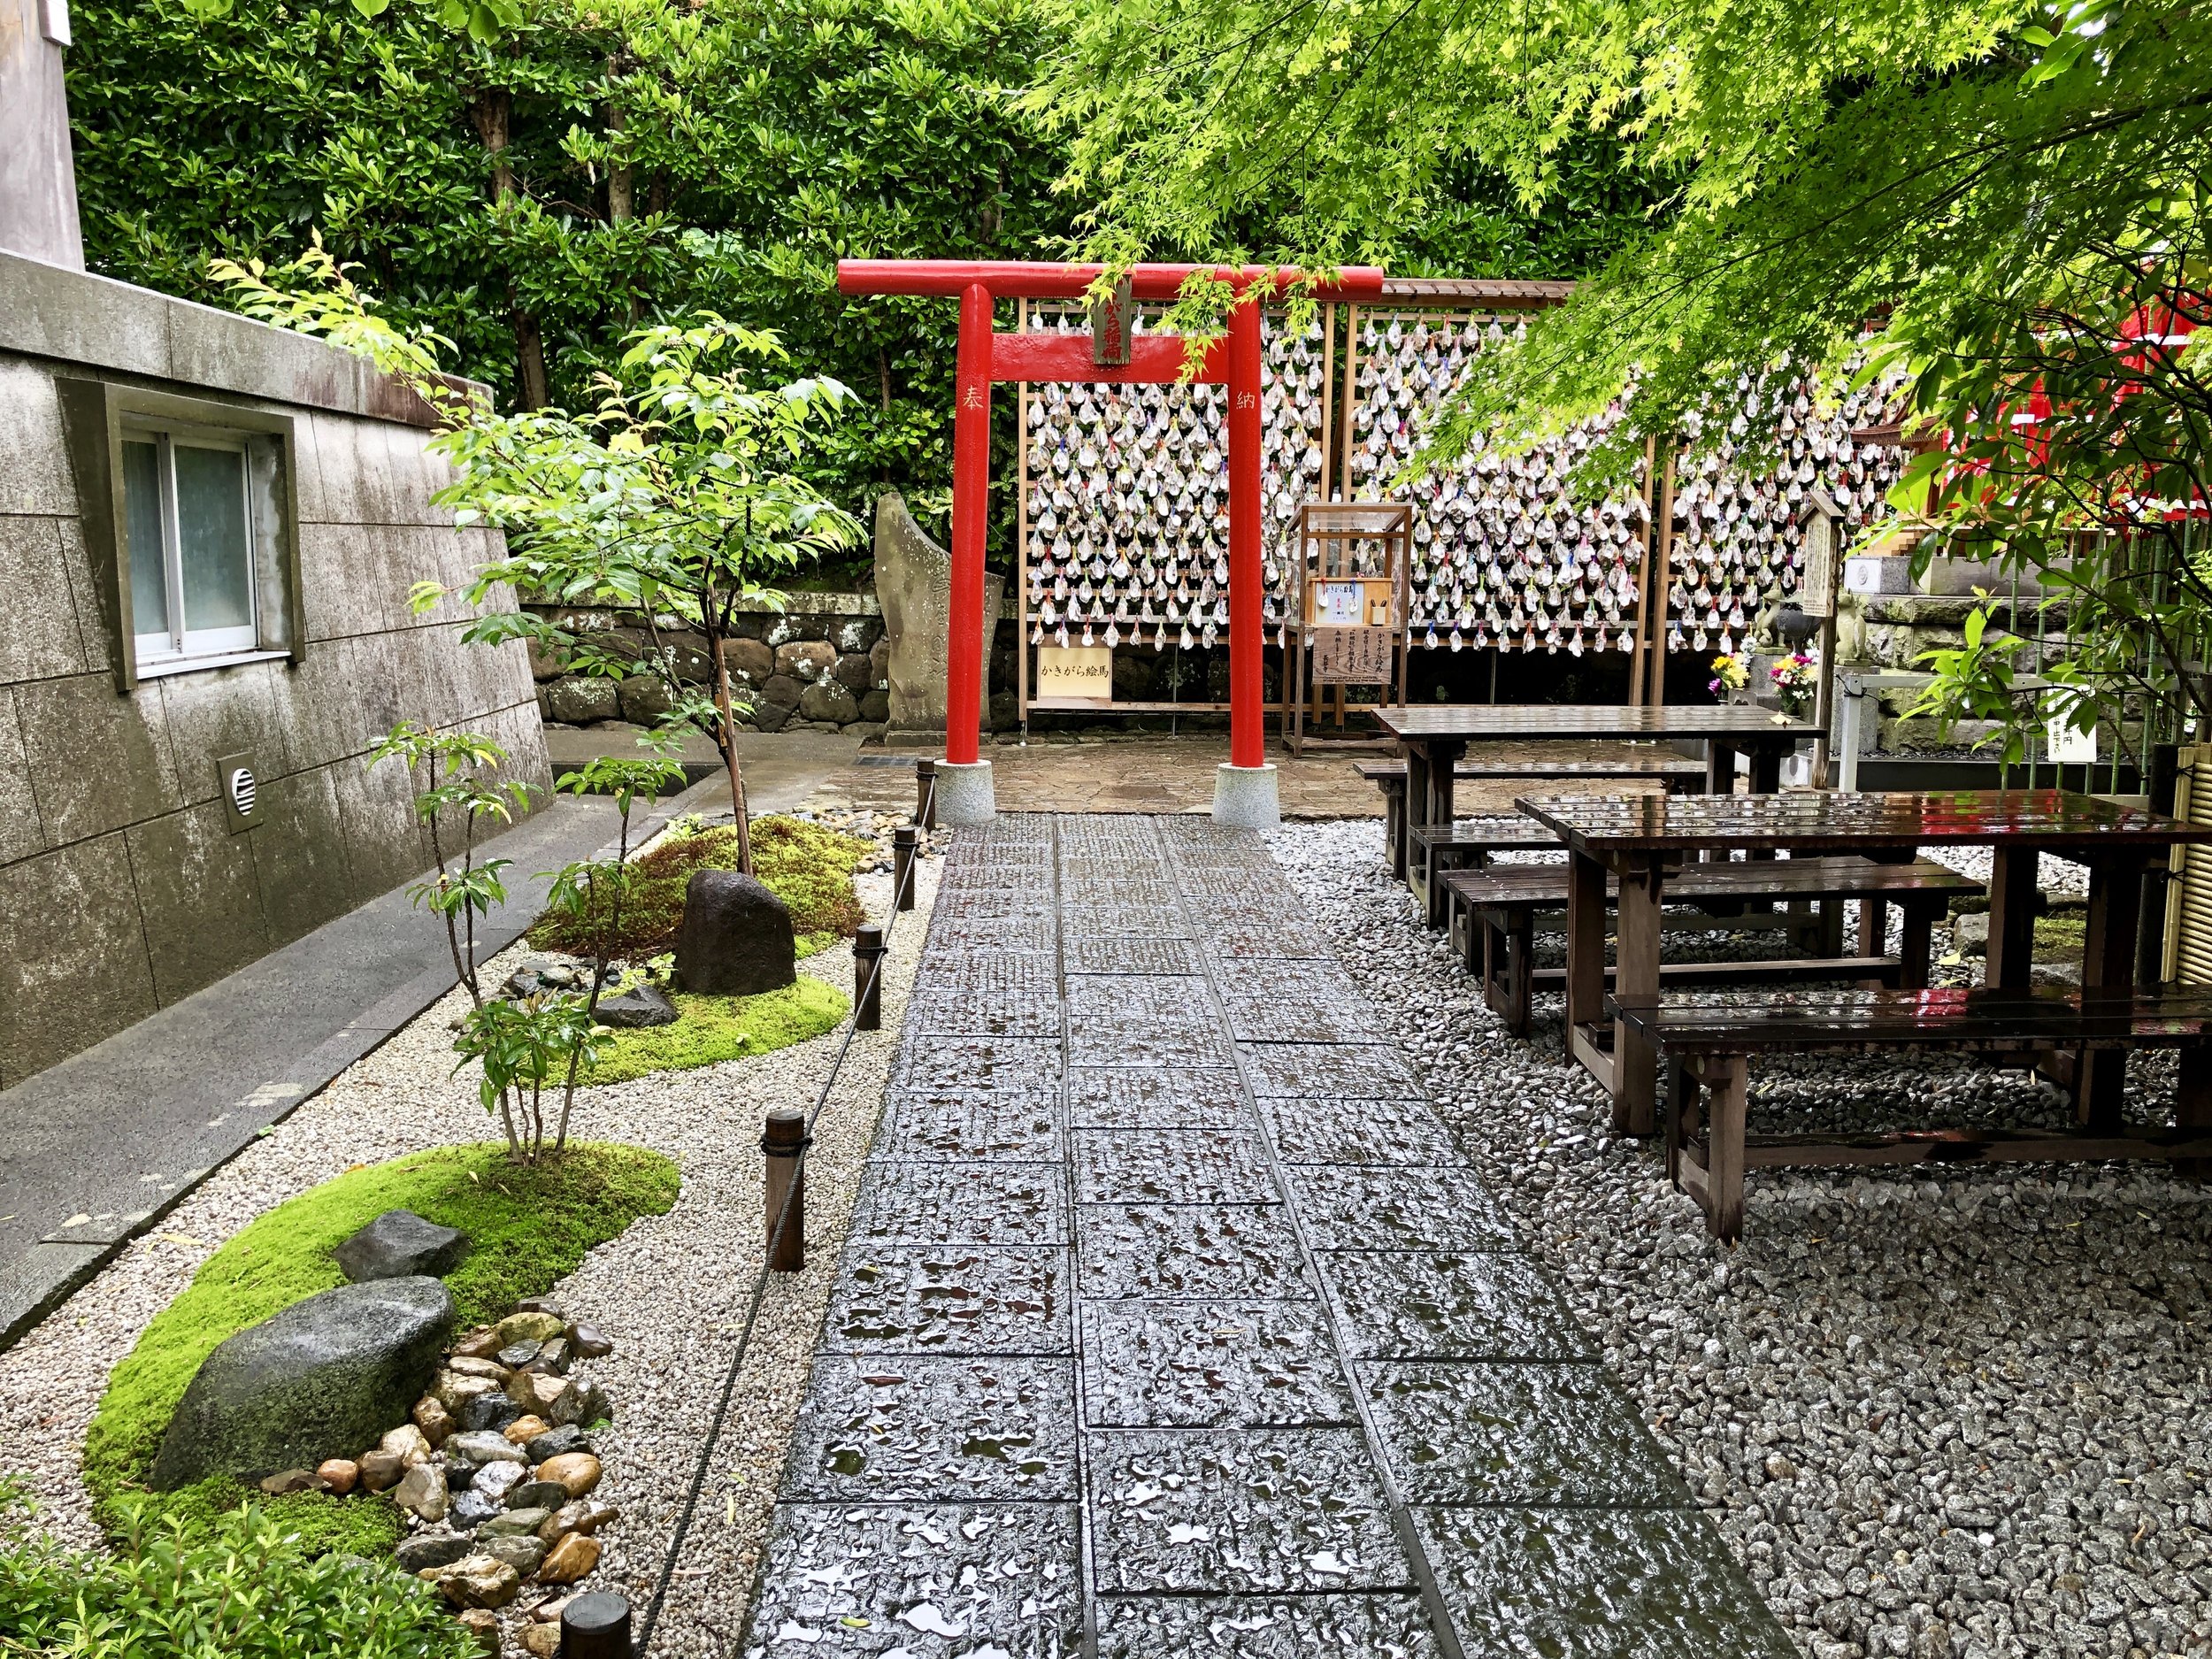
(1245, 787)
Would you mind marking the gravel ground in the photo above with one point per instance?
(1958, 1412)
(670, 1293)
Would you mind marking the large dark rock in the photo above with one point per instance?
(321, 1380)
(736, 937)
(400, 1244)
(640, 1006)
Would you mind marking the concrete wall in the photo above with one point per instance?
(38, 183)
(122, 885)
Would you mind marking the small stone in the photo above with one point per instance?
(410, 1443)
(483, 1446)
(482, 1624)
(537, 1494)
(290, 1481)
(430, 1550)
(497, 1481)
(522, 1554)
(481, 1343)
(550, 1612)
(555, 1356)
(567, 1438)
(400, 1244)
(479, 1580)
(434, 1419)
(518, 1355)
(472, 1508)
(578, 1473)
(531, 1326)
(545, 1395)
(522, 1431)
(454, 1390)
(380, 1471)
(494, 1369)
(340, 1475)
(569, 1560)
(421, 1491)
(516, 1524)
(487, 1411)
(1780, 1467)
(584, 1403)
(539, 1304)
(584, 1516)
(589, 1343)
(543, 1642)
(637, 1008)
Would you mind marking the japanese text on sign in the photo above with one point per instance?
(1351, 657)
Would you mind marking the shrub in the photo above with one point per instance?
(810, 868)
(528, 1226)
(244, 1589)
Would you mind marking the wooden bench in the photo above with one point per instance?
(1706, 1049)
(1494, 915)
(1389, 776)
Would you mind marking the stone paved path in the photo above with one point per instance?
(1170, 1322)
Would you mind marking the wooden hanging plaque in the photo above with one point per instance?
(1352, 657)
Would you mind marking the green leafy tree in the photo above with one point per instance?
(677, 498)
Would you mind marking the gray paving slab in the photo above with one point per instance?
(1164, 1255)
(120, 1133)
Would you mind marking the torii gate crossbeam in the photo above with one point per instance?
(985, 357)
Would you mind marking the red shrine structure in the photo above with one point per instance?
(1244, 791)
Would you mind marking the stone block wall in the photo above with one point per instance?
(124, 885)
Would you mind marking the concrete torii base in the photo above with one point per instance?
(1246, 797)
(965, 797)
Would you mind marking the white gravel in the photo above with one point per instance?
(1958, 1412)
(669, 1293)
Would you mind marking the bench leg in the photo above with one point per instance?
(1726, 1092)
(1636, 977)
(1674, 1115)
(1520, 941)
(1912, 958)
(2116, 897)
(1830, 943)
(1435, 896)
(1493, 961)
(2193, 1104)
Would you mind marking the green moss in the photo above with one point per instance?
(810, 868)
(723, 1028)
(2060, 938)
(528, 1226)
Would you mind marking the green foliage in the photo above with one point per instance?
(519, 1047)
(807, 866)
(528, 1226)
(716, 1028)
(244, 1587)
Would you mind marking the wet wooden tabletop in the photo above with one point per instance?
(1477, 722)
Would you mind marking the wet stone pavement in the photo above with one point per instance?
(1170, 1323)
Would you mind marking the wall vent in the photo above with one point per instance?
(238, 785)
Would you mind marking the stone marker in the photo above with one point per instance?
(400, 1244)
(913, 578)
(320, 1380)
(736, 938)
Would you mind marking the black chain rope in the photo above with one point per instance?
(775, 1238)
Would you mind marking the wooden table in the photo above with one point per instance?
(1435, 736)
(1640, 839)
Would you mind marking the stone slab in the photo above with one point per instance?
(1384, 1627)
(977, 932)
(948, 1299)
(1135, 1021)
(1413, 1304)
(1104, 1097)
(1350, 1071)
(1169, 1166)
(1231, 942)
(908, 1201)
(988, 973)
(1239, 1510)
(1211, 1364)
(891, 1428)
(1595, 1584)
(1398, 1207)
(964, 1013)
(1201, 1250)
(1298, 1001)
(980, 1062)
(1022, 1124)
(844, 1583)
(1163, 920)
(1324, 1129)
(1092, 952)
(1482, 1431)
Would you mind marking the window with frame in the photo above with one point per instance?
(190, 522)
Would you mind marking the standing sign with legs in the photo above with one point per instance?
(1245, 787)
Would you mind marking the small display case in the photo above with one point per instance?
(1351, 609)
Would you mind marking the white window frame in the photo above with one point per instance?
(178, 649)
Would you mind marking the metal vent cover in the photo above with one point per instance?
(238, 783)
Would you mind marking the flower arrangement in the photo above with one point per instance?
(1795, 679)
(1730, 673)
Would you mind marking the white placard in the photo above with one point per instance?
(1075, 671)
(2066, 746)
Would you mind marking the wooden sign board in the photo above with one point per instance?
(1351, 657)
(1082, 671)
(1816, 580)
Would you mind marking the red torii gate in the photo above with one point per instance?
(1153, 360)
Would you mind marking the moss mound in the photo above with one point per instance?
(723, 1028)
(810, 868)
(528, 1226)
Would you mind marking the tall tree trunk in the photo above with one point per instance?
(621, 181)
(491, 113)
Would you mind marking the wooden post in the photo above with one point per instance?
(902, 849)
(1724, 1113)
(2012, 900)
(2116, 897)
(596, 1626)
(868, 953)
(925, 793)
(781, 1143)
(1247, 736)
(1636, 979)
(1586, 940)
